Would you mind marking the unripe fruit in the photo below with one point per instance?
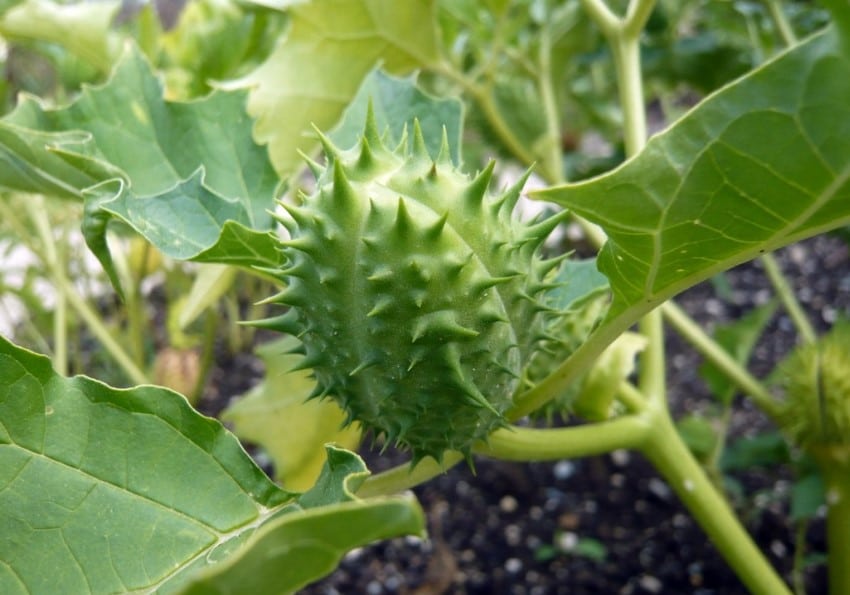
(416, 295)
(816, 379)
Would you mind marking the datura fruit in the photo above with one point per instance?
(417, 296)
(816, 381)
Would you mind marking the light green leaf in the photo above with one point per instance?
(277, 416)
(315, 71)
(763, 163)
(112, 490)
(615, 364)
(396, 103)
(83, 28)
(295, 550)
(187, 176)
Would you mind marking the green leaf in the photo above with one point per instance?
(277, 416)
(738, 338)
(763, 163)
(112, 490)
(83, 28)
(763, 450)
(125, 490)
(396, 103)
(295, 550)
(808, 495)
(315, 71)
(187, 176)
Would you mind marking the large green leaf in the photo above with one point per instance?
(187, 176)
(396, 103)
(105, 490)
(317, 68)
(277, 416)
(762, 163)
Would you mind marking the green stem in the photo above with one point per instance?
(788, 299)
(834, 465)
(709, 348)
(798, 571)
(786, 32)
(36, 209)
(404, 477)
(552, 165)
(68, 292)
(665, 449)
(531, 444)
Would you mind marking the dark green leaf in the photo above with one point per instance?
(738, 338)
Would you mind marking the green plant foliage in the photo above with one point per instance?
(396, 103)
(760, 164)
(816, 405)
(738, 338)
(274, 415)
(138, 158)
(317, 68)
(416, 294)
(84, 28)
(94, 480)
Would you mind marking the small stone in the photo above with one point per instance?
(621, 457)
(513, 565)
(563, 469)
(659, 488)
(513, 535)
(650, 583)
(508, 504)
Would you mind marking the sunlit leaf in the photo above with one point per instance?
(84, 28)
(317, 68)
(277, 416)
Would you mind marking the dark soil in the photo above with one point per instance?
(608, 524)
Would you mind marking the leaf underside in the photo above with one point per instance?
(758, 165)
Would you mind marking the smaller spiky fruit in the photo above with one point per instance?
(816, 382)
(415, 294)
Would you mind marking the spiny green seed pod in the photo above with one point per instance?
(816, 382)
(415, 293)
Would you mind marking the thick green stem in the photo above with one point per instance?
(671, 457)
(834, 464)
(531, 444)
(404, 477)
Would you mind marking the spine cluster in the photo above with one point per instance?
(416, 294)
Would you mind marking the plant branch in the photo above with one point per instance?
(834, 465)
(709, 348)
(68, 292)
(533, 444)
(786, 32)
(552, 166)
(665, 449)
(786, 296)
